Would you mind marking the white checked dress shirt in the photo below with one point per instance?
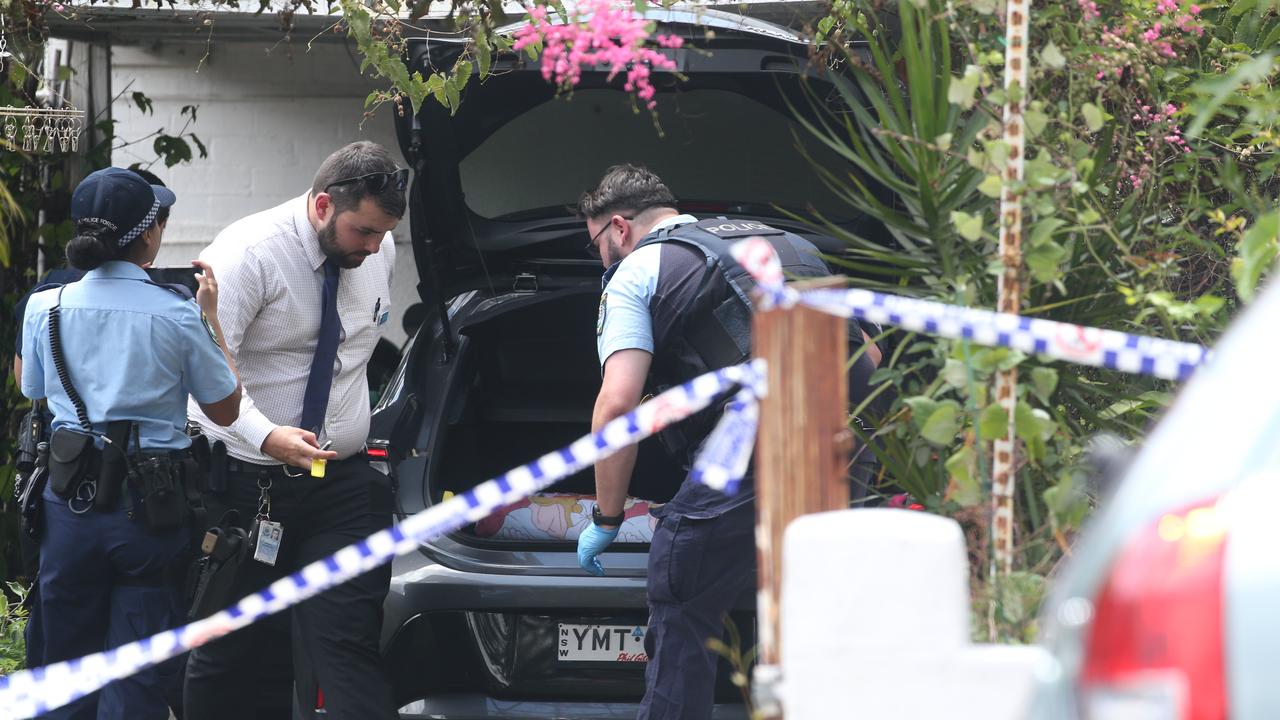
(270, 281)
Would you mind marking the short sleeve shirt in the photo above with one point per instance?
(134, 351)
(625, 319)
(57, 276)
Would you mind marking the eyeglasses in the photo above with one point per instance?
(378, 181)
(593, 249)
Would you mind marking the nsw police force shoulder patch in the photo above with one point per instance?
(604, 298)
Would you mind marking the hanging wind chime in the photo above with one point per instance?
(42, 130)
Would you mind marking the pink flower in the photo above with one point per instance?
(1153, 34)
(1194, 9)
(601, 33)
(1167, 6)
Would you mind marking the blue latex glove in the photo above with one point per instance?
(591, 543)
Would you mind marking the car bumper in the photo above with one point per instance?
(480, 707)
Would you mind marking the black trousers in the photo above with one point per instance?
(697, 569)
(337, 631)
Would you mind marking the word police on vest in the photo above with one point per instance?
(734, 229)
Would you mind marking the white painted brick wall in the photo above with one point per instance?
(268, 117)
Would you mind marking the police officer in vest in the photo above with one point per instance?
(673, 308)
(116, 356)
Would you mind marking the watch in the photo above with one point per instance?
(599, 519)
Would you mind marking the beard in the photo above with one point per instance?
(328, 237)
(615, 251)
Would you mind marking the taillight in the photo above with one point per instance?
(1155, 646)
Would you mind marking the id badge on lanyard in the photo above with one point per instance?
(266, 534)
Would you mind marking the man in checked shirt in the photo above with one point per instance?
(306, 289)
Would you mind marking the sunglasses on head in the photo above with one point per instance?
(378, 181)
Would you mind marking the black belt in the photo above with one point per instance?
(244, 467)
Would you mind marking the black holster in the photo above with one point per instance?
(31, 433)
(29, 488)
(72, 458)
(211, 579)
(158, 478)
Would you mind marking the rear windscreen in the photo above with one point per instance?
(718, 148)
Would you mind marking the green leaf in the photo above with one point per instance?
(1035, 122)
(921, 408)
(435, 86)
(143, 102)
(1044, 380)
(1092, 116)
(961, 90)
(1218, 88)
(991, 186)
(452, 95)
(1052, 57)
(1033, 423)
(964, 488)
(1256, 254)
(1020, 594)
(1044, 260)
(969, 226)
(993, 423)
(943, 423)
(998, 152)
(955, 374)
(1044, 229)
(1067, 503)
(173, 149)
(984, 7)
(417, 91)
(484, 52)
(462, 71)
(1209, 304)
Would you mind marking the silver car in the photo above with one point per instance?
(1170, 606)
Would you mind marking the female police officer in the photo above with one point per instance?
(116, 356)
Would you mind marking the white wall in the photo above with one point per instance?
(268, 118)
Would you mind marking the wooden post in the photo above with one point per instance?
(804, 441)
(1003, 465)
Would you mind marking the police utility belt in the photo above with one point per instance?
(90, 477)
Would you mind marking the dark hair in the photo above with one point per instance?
(90, 248)
(353, 161)
(162, 215)
(629, 188)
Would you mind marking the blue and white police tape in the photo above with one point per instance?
(725, 454)
(1140, 354)
(36, 691)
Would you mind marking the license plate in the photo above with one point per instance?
(602, 643)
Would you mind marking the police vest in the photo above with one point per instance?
(713, 330)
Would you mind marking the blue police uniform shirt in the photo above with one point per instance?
(629, 304)
(134, 351)
(624, 321)
(57, 276)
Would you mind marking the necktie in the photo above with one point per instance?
(320, 380)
